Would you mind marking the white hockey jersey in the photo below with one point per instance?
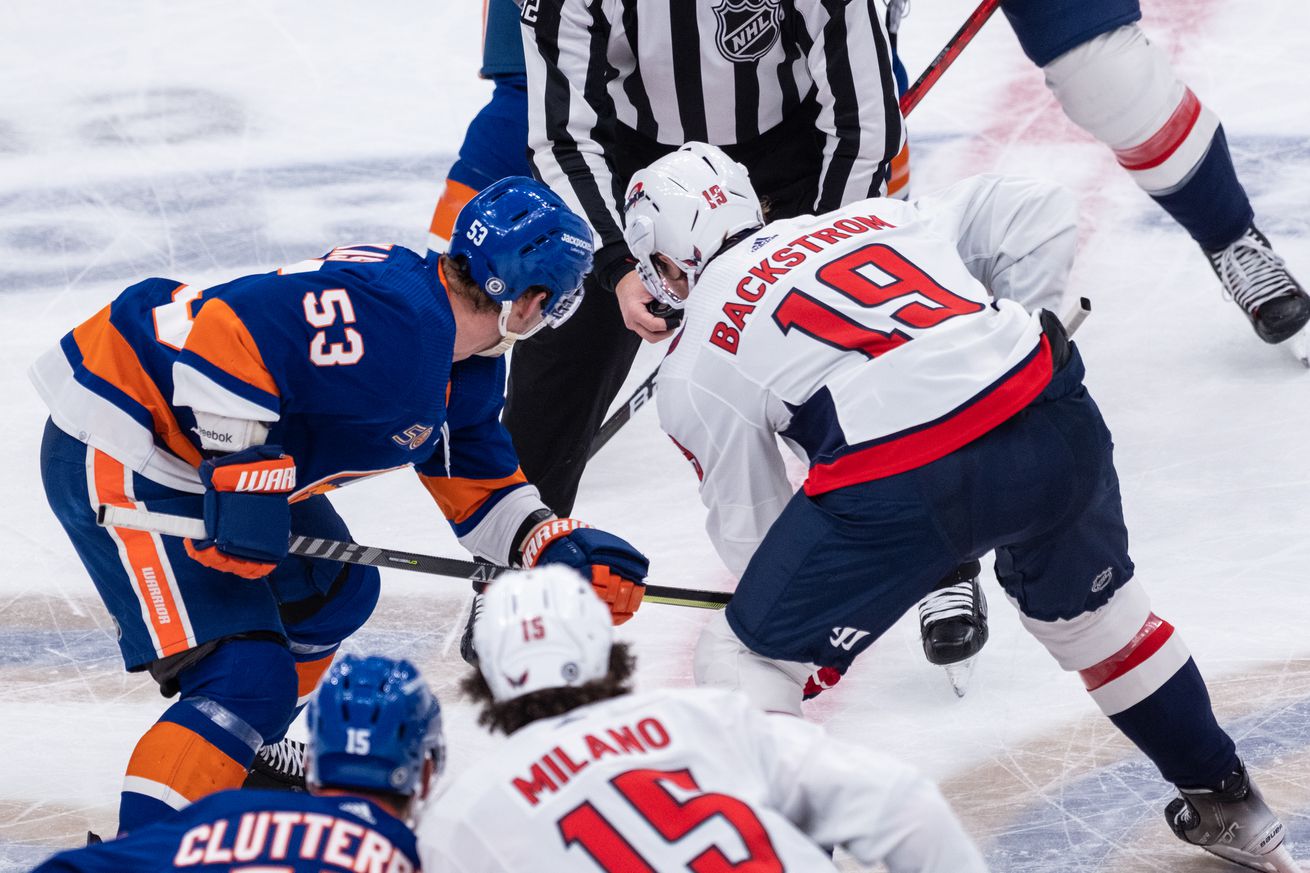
(687, 779)
(867, 339)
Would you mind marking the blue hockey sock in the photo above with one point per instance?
(1177, 730)
(1211, 203)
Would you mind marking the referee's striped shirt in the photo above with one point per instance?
(718, 71)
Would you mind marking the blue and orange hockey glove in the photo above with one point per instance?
(246, 511)
(617, 570)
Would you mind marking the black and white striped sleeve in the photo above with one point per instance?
(570, 113)
(850, 62)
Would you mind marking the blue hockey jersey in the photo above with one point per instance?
(257, 830)
(345, 359)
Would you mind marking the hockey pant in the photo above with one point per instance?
(244, 655)
(837, 570)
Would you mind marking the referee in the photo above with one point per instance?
(800, 91)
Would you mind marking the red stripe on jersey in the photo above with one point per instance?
(1145, 643)
(917, 448)
(1165, 141)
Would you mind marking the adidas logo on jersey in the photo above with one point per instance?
(359, 809)
(761, 242)
(847, 637)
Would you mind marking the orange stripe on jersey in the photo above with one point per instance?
(186, 762)
(147, 563)
(900, 172)
(107, 354)
(309, 672)
(460, 498)
(223, 340)
(453, 198)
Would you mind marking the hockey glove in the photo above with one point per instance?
(247, 514)
(617, 570)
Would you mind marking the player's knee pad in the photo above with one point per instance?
(1123, 651)
(722, 660)
(244, 685)
(1123, 90)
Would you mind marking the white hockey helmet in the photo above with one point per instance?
(539, 629)
(684, 206)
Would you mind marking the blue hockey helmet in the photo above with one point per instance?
(372, 724)
(518, 234)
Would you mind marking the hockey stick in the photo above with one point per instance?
(646, 390)
(354, 553)
(948, 54)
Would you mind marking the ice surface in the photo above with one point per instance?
(203, 140)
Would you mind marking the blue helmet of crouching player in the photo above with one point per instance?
(373, 725)
(517, 235)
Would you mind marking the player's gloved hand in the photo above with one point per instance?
(617, 570)
(246, 511)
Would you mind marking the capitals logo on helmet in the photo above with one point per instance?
(685, 206)
(541, 629)
(372, 725)
(516, 235)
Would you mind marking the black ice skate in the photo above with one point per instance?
(953, 625)
(1232, 822)
(279, 767)
(1258, 281)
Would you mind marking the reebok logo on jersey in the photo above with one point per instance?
(214, 436)
(846, 637)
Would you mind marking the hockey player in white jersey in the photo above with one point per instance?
(595, 778)
(906, 352)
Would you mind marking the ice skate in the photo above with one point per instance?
(1257, 280)
(1232, 822)
(953, 625)
(279, 767)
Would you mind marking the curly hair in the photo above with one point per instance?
(460, 283)
(514, 714)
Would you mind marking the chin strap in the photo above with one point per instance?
(507, 336)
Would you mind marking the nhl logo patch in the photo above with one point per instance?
(746, 29)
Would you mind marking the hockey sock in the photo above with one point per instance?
(1176, 728)
(1123, 90)
(1138, 670)
(1152, 690)
(232, 699)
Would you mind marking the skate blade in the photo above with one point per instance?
(960, 673)
(1278, 861)
(1299, 346)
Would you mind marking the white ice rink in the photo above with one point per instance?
(201, 140)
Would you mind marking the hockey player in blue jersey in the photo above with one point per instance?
(375, 750)
(245, 402)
